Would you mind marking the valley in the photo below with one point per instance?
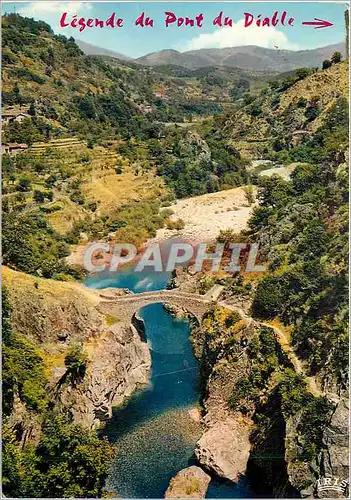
(214, 370)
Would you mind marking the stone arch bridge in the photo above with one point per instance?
(125, 306)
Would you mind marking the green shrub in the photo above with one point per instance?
(249, 193)
(206, 283)
(244, 390)
(76, 363)
(326, 64)
(268, 299)
(232, 319)
(176, 224)
(294, 395)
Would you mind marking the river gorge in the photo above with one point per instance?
(155, 432)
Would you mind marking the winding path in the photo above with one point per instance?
(289, 350)
(286, 347)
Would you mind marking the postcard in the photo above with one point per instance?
(175, 249)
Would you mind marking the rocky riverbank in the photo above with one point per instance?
(206, 215)
(225, 445)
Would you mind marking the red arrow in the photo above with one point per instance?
(318, 23)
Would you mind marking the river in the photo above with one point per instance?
(153, 432)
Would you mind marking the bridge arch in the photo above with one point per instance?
(126, 306)
(175, 310)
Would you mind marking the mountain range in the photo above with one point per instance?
(249, 57)
(92, 50)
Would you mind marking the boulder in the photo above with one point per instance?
(191, 482)
(225, 447)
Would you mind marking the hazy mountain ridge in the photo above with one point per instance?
(244, 57)
(93, 50)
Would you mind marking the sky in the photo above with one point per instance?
(135, 41)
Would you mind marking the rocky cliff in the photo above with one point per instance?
(119, 362)
(225, 446)
(55, 315)
(260, 417)
(331, 461)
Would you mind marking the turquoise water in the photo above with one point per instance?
(153, 432)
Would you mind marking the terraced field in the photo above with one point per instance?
(92, 172)
(57, 144)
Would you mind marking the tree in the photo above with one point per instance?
(24, 184)
(69, 461)
(31, 110)
(243, 83)
(336, 57)
(255, 109)
(38, 196)
(228, 236)
(288, 82)
(235, 93)
(248, 99)
(49, 195)
(302, 73)
(73, 461)
(302, 102)
(326, 64)
(268, 299)
(312, 111)
(11, 462)
(274, 192)
(50, 181)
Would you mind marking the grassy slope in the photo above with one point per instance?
(280, 114)
(43, 308)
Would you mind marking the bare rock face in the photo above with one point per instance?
(119, 362)
(176, 311)
(225, 447)
(336, 438)
(331, 462)
(191, 482)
